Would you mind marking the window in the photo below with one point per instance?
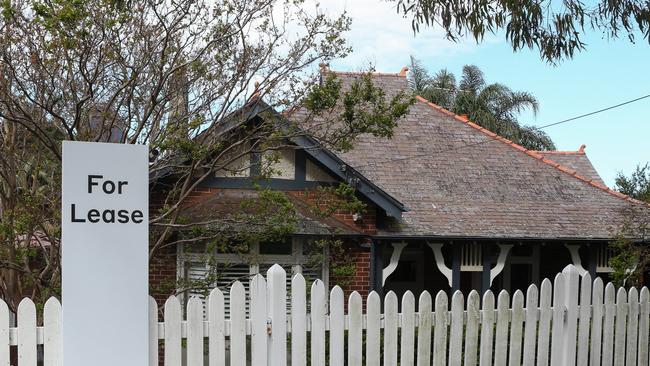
(293, 255)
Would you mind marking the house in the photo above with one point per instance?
(449, 206)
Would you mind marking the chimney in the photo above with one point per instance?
(179, 96)
(103, 126)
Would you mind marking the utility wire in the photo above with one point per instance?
(594, 112)
(491, 139)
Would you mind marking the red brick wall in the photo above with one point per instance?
(367, 225)
(162, 274)
(360, 280)
(162, 266)
(355, 252)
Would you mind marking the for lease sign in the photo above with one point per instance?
(105, 254)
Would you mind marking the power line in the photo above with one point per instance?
(491, 139)
(594, 112)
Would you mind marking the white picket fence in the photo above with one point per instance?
(580, 323)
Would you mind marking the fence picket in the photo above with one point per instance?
(337, 327)
(596, 322)
(276, 288)
(373, 329)
(644, 319)
(516, 327)
(317, 316)
(608, 325)
(570, 331)
(237, 325)
(557, 330)
(487, 329)
(544, 332)
(216, 329)
(258, 316)
(584, 319)
(4, 334)
(440, 330)
(407, 345)
(27, 333)
(632, 326)
(619, 328)
(355, 332)
(194, 332)
(424, 330)
(471, 332)
(589, 324)
(172, 332)
(298, 321)
(52, 346)
(503, 320)
(456, 330)
(153, 332)
(390, 329)
(530, 330)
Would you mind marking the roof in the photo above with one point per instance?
(576, 160)
(259, 108)
(461, 180)
(217, 209)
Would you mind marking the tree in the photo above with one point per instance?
(172, 75)
(493, 106)
(636, 185)
(556, 30)
(631, 260)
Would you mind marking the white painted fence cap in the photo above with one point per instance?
(276, 268)
(570, 268)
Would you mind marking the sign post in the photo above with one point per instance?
(105, 254)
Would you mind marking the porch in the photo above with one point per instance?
(450, 265)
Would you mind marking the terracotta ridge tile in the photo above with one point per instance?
(535, 154)
(557, 152)
(373, 73)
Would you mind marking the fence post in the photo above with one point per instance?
(4, 333)
(276, 279)
(570, 333)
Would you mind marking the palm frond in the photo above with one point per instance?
(472, 79)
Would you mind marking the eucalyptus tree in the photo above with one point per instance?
(555, 28)
(493, 106)
(171, 74)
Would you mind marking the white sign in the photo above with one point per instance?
(105, 254)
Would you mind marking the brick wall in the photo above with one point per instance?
(368, 223)
(162, 266)
(360, 280)
(162, 274)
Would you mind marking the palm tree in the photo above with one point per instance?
(492, 106)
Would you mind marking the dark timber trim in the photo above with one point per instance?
(301, 165)
(248, 183)
(455, 266)
(352, 177)
(486, 251)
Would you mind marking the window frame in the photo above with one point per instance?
(295, 260)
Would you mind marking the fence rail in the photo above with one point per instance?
(574, 321)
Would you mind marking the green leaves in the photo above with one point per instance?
(360, 107)
(493, 106)
(631, 258)
(637, 185)
(555, 30)
(324, 96)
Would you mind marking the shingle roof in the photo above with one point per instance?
(217, 208)
(460, 180)
(576, 160)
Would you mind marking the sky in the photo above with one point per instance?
(608, 72)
